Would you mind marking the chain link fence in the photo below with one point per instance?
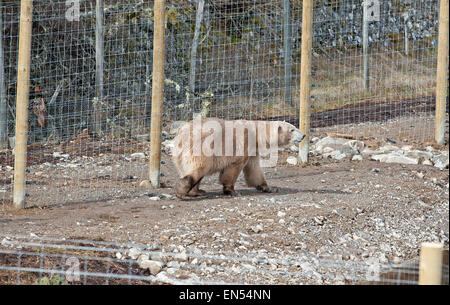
(48, 261)
(91, 81)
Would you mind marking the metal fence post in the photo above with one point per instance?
(157, 92)
(99, 68)
(430, 266)
(3, 101)
(287, 52)
(23, 88)
(366, 45)
(305, 82)
(442, 74)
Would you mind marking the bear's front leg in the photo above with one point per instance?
(196, 191)
(184, 186)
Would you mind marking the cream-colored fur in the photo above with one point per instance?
(193, 163)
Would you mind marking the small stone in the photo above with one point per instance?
(292, 160)
(145, 184)
(119, 255)
(281, 221)
(427, 162)
(396, 260)
(327, 150)
(153, 266)
(163, 207)
(314, 140)
(159, 257)
(137, 156)
(134, 253)
(420, 175)
(257, 229)
(357, 158)
(181, 257)
(155, 198)
(440, 161)
(319, 220)
(281, 214)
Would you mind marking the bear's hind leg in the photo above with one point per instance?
(228, 178)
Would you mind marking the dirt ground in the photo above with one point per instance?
(346, 211)
(339, 212)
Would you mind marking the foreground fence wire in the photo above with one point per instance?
(48, 261)
(91, 80)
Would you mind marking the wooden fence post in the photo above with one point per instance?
(442, 74)
(157, 92)
(23, 88)
(430, 265)
(305, 82)
(99, 67)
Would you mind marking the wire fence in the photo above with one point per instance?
(91, 80)
(49, 261)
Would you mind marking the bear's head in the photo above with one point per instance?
(289, 135)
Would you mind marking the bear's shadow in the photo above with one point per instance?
(252, 192)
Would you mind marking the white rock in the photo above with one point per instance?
(407, 147)
(440, 161)
(355, 145)
(137, 155)
(335, 143)
(338, 155)
(314, 140)
(357, 158)
(419, 154)
(292, 160)
(327, 150)
(145, 184)
(257, 229)
(119, 255)
(158, 256)
(181, 257)
(379, 157)
(134, 253)
(281, 214)
(388, 148)
(427, 162)
(368, 151)
(393, 158)
(154, 198)
(173, 264)
(153, 266)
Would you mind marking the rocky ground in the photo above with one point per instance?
(359, 207)
(329, 223)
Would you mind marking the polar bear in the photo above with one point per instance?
(204, 147)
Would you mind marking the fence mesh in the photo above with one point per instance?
(89, 130)
(48, 261)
